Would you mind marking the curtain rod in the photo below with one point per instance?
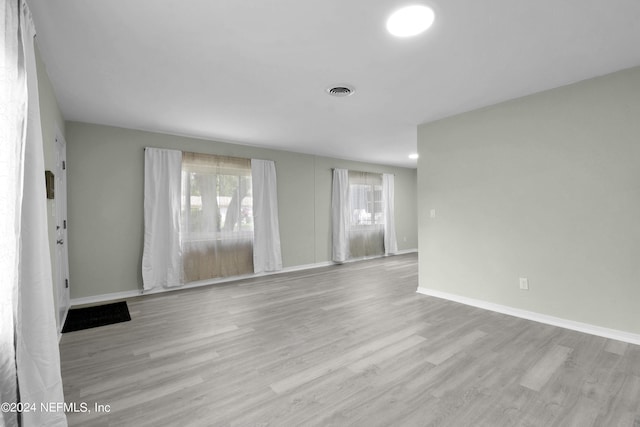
(209, 154)
(378, 173)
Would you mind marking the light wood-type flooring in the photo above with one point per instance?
(350, 345)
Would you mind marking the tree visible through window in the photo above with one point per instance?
(216, 198)
(216, 203)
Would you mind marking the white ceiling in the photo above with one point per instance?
(255, 72)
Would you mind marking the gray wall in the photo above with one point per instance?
(545, 187)
(106, 182)
(51, 121)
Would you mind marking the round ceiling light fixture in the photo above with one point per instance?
(413, 156)
(410, 21)
(341, 90)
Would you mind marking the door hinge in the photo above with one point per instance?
(64, 224)
(66, 283)
(64, 165)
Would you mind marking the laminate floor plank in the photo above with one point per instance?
(348, 345)
(542, 371)
(342, 360)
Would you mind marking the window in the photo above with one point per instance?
(215, 201)
(199, 217)
(217, 216)
(366, 236)
(365, 194)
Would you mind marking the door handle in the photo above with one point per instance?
(60, 242)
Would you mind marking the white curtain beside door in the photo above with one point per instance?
(267, 254)
(13, 92)
(162, 253)
(37, 353)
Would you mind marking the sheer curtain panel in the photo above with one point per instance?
(340, 215)
(37, 354)
(388, 206)
(366, 225)
(217, 223)
(267, 254)
(161, 258)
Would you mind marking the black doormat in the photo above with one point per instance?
(99, 315)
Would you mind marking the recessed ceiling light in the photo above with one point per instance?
(341, 90)
(414, 156)
(410, 21)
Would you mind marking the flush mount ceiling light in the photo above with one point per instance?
(413, 156)
(410, 21)
(340, 90)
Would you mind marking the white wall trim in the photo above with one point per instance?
(137, 292)
(366, 258)
(406, 251)
(105, 297)
(304, 267)
(537, 317)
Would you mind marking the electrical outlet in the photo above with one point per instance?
(432, 213)
(524, 283)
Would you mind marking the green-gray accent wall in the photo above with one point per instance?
(545, 187)
(105, 172)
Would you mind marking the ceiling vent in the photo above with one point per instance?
(341, 90)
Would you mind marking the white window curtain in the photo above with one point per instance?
(217, 220)
(266, 245)
(340, 215)
(388, 206)
(161, 258)
(37, 359)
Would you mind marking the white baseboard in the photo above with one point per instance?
(366, 258)
(304, 267)
(137, 292)
(537, 317)
(105, 297)
(406, 251)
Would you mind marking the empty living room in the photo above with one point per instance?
(330, 213)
